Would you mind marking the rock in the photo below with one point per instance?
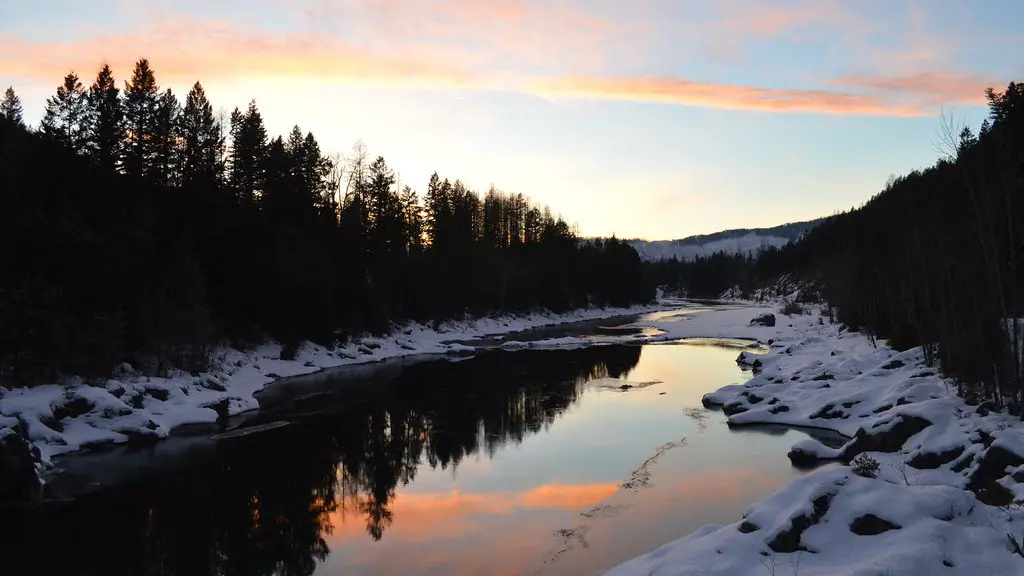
(747, 527)
(788, 541)
(18, 481)
(763, 320)
(801, 458)
(780, 408)
(828, 412)
(893, 365)
(160, 394)
(734, 408)
(984, 481)
(871, 525)
(932, 460)
(985, 408)
(890, 441)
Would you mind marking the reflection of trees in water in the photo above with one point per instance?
(264, 504)
(441, 413)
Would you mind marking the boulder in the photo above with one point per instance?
(18, 481)
(763, 320)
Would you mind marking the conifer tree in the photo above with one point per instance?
(106, 120)
(11, 109)
(201, 140)
(66, 118)
(248, 153)
(141, 107)
(166, 151)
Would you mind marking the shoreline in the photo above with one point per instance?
(75, 416)
(938, 498)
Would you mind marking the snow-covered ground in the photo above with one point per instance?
(940, 497)
(72, 415)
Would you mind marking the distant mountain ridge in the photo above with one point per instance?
(737, 241)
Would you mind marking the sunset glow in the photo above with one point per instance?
(646, 119)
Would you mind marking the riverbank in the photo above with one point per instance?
(131, 407)
(934, 484)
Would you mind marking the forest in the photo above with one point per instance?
(142, 228)
(936, 259)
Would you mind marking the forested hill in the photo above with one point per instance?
(936, 258)
(139, 227)
(738, 241)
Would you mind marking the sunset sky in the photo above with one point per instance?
(644, 118)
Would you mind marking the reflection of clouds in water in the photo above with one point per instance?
(433, 515)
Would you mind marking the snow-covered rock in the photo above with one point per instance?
(61, 418)
(946, 475)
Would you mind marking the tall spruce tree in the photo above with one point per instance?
(66, 117)
(166, 150)
(106, 120)
(248, 153)
(141, 107)
(201, 140)
(11, 109)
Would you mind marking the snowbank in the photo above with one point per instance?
(938, 479)
(61, 418)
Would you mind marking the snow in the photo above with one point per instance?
(689, 250)
(805, 371)
(62, 418)
(821, 375)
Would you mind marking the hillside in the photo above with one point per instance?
(739, 241)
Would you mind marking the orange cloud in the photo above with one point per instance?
(929, 88)
(681, 91)
(205, 49)
(422, 515)
(184, 49)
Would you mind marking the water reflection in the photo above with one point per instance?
(268, 503)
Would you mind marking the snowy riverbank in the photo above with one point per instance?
(66, 417)
(938, 462)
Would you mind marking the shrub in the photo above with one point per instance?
(866, 466)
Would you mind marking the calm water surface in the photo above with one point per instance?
(528, 462)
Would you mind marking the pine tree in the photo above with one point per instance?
(141, 106)
(248, 153)
(66, 114)
(106, 121)
(412, 218)
(202, 143)
(985, 128)
(10, 108)
(166, 152)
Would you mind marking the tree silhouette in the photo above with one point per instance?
(66, 117)
(11, 109)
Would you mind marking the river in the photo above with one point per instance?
(509, 462)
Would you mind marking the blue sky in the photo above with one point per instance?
(651, 118)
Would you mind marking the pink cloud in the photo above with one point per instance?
(421, 52)
(205, 49)
(925, 88)
(684, 92)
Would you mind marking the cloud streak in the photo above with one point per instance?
(186, 48)
(684, 92)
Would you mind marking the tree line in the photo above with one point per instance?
(143, 228)
(936, 259)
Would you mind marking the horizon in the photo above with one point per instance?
(791, 111)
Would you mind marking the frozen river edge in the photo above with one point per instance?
(931, 486)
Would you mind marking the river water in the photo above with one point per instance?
(510, 462)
